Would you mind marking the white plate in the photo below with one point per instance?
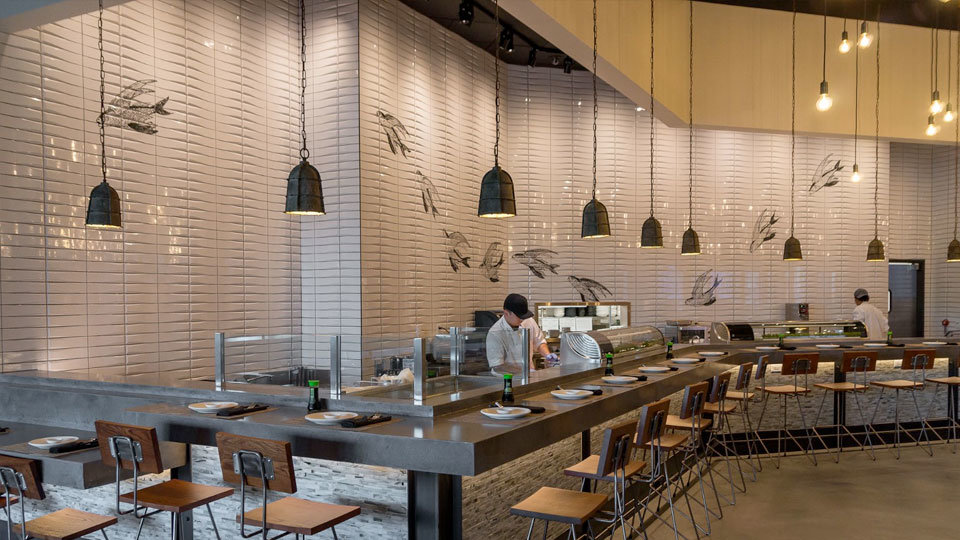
(768, 348)
(329, 418)
(46, 443)
(618, 379)
(934, 343)
(711, 353)
(875, 345)
(505, 413)
(571, 394)
(827, 346)
(686, 360)
(654, 369)
(211, 407)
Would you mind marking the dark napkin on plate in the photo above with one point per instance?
(361, 421)
(4, 430)
(674, 368)
(82, 444)
(242, 409)
(845, 346)
(596, 391)
(948, 343)
(896, 345)
(534, 409)
(786, 348)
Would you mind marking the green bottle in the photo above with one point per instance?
(669, 350)
(608, 370)
(890, 337)
(780, 342)
(313, 405)
(507, 396)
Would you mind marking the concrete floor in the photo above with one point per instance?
(917, 497)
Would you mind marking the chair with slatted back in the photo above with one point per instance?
(268, 465)
(65, 524)
(918, 361)
(720, 443)
(795, 365)
(137, 449)
(855, 365)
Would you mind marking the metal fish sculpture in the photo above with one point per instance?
(826, 175)
(395, 132)
(428, 194)
(701, 295)
(456, 244)
(536, 261)
(128, 110)
(763, 229)
(492, 261)
(588, 289)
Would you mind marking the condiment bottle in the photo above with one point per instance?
(313, 405)
(890, 337)
(608, 370)
(669, 350)
(507, 389)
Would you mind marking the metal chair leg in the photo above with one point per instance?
(334, 531)
(140, 528)
(104, 533)
(923, 425)
(214, 523)
(530, 530)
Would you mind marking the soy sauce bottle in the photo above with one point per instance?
(313, 405)
(507, 396)
(669, 350)
(890, 337)
(608, 370)
(780, 342)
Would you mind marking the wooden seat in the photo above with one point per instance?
(3, 501)
(950, 381)
(66, 524)
(588, 469)
(786, 389)
(670, 441)
(842, 386)
(898, 384)
(734, 395)
(560, 505)
(714, 408)
(300, 516)
(675, 422)
(177, 496)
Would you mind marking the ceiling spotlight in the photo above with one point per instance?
(532, 58)
(466, 12)
(555, 61)
(865, 38)
(506, 40)
(932, 127)
(567, 64)
(844, 43)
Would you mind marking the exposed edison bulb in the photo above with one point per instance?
(936, 106)
(949, 115)
(855, 177)
(844, 43)
(932, 127)
(865, 38)
(825, 101)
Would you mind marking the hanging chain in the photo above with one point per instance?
(936, 49)
(956, 147)
(793, 111)
(653, 119)
(876, 142)
(856, 106)
(304, 153)
(496, 69)
(824, 40)
(103, 111)
(949, 65)
(596, 107)
(690, 129)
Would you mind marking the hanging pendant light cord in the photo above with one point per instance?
(956, 149)
(653, 119)
(856, 106)
(496, 70)
(103, 110)
(304, 153)
(824, 40)
(936, 49)
(690, 128)
(595, 100)
(876, 142)
(793, 111)
(949, 65)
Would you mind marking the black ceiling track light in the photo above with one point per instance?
(497, 199)
(103, 210)
(304, 190)
(465, 13)
(691, 240)
(506, 39)
(791, 248)
(596, 220)
(651, 235)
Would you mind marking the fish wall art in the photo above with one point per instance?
(457, 245)
(428, 194)
(134, 108)
(589, 290)
(537, 261)
(395, 131)
(703, 294)
(492, 261)
(826, 175)
(763, 229)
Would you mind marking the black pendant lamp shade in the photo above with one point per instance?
(791, 250)
(651, 236)
(596, 221)
(691, 242)
(875, 251)
(496, 194)
(304, 191)
(103, 212)
(953, 251)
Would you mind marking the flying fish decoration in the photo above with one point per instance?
(589, 290)
(702, 294)
(826, 175)
(456, 245)
(492, 261)
(428, 194)
(537, 261)
(395, 131)
(134, 108)
(763, 229)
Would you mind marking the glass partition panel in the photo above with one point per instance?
(277, 359)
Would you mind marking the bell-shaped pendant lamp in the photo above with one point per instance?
(596, 221)
(875, 251)
(953, 251)
(691, 240)
(651, 235)
(103, 210)
(304, 189)
(791, 248)
(497, 198)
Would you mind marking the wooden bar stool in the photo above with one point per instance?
(951, 383)
(918, 361)
(268, 465)
(573, 508)
(65, 524)
(612, 465)
(720, 443)
(137, 448)
(794, 364)
(742, 396)
(853, 363)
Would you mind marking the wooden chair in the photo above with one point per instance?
(853, 364)
(573, 508)
(720, 444)
(741, 396)
(137, 449)
(918, 361)
(65, 524)
(793, 364)
(268, 465)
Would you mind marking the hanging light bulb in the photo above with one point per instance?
(932, 127)
(936, 106)
(855, 177)
(825, 101)
(865, 38)
(949, 115)
(845, 45)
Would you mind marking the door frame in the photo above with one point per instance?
(921, 290)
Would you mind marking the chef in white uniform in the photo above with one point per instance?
(870, 316)
(504, 352)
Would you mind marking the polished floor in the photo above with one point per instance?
(915, 497)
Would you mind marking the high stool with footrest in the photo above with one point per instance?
(918, 361)
(852, 364)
